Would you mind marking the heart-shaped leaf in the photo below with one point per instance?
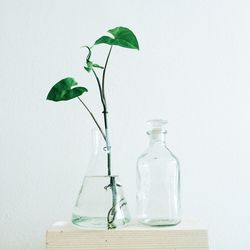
(63, 91)
(123, 37)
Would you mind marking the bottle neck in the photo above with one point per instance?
(157, 137)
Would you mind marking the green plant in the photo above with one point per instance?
(67, 89)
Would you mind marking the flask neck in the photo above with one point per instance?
(157, 137)
(97, 165)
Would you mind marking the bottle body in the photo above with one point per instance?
(158, 184)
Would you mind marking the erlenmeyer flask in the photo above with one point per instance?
(100, 202)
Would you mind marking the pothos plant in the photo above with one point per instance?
(67, 89)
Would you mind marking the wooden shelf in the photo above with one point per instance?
(188, 235)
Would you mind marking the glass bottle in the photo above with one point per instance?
(158, 181)
(101, 202)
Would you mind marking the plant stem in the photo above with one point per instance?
(105, 112)
(99, 87)
(93, 117)
(112, 211)
(104, 72)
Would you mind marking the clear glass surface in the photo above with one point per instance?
(95, 204)
(158, 181)
(101, 202)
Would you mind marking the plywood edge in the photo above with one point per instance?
(133, 226)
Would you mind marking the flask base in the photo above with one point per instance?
(96, 222)
(160, 222)
(101, 203)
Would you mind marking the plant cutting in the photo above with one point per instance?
(67, 89)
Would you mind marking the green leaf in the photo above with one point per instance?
(63, 91)
(98, 66)
(123, 37)
(89, 66)
(87, 69)
(104, 39)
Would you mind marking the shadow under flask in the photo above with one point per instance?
(158, 181)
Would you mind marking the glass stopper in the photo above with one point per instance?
(157, 125)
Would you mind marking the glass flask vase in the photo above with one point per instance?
(158, 181)
(101, 202)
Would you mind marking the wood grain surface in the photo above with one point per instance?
(188, 235)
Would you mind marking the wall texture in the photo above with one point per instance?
(192, 69)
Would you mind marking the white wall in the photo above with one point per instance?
(193, 69)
